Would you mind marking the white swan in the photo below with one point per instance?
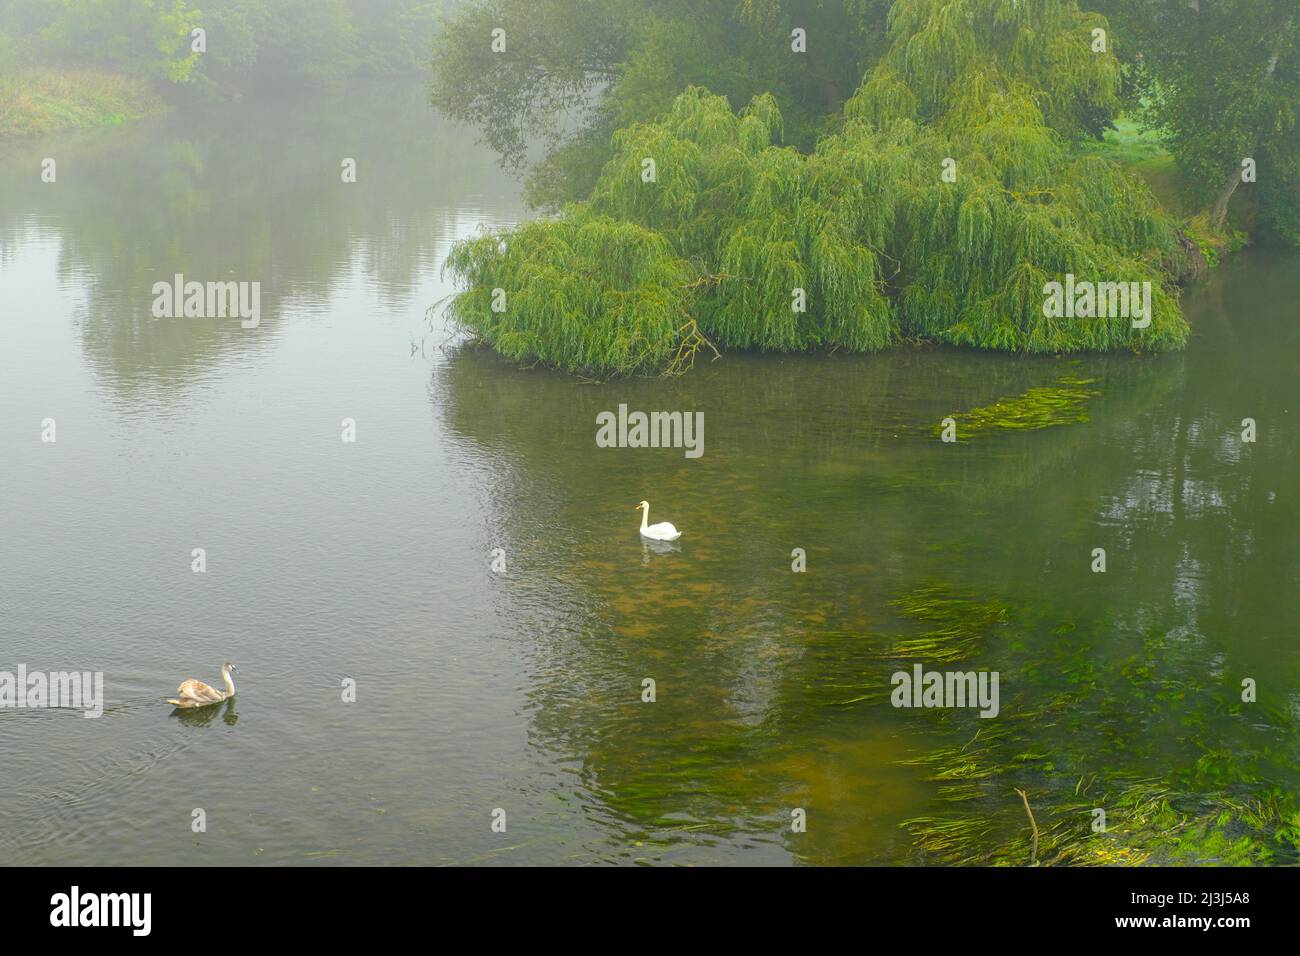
(195, 693)
(663, 531)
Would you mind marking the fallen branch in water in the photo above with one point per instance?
(1033, 860)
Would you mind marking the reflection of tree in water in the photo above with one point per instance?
(773, 686)
(700, 622)
(1135, 677)
(245, 193)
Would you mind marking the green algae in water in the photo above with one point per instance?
(1216, 810)
(957, 623)
(1045, 406)
(1147, 823)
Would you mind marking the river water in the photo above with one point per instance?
(521, 690)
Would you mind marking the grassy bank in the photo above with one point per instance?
(1141, 150)
(38, 101)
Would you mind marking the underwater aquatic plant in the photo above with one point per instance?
(1064, 403)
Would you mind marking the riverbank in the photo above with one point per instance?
(37, 101)
(1142, 151)
(1119, 691)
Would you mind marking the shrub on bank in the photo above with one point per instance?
(34, 101)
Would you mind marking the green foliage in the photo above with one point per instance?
(574, 71)
(393, 36)
(583, 293)
(303, 40)
(756, 221)
(557, 53)
(8, 54)
(578, 70)
(879, 243)
(146, 38)
(1279, 196)
(34, 101)
(949, 59)
(250, 43)
(1221, 82)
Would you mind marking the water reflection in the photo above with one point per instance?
(525, 688)
(202, 716)
(251, 194)
(650, 549)
(773, 684)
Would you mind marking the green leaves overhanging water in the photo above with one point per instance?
(703, 228)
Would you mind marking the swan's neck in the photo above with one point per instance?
(230, 684)
(645, 517)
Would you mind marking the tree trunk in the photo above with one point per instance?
(1219, 212)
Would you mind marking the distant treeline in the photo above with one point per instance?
(249, 44)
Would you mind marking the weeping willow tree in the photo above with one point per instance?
(946, 58)
(582, 293)
(941, 210)
(999, 91)
(782, 261)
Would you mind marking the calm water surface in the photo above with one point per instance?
(522, 690)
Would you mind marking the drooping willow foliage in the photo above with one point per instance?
(941, 209)
(582, 293)
(947, 58)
